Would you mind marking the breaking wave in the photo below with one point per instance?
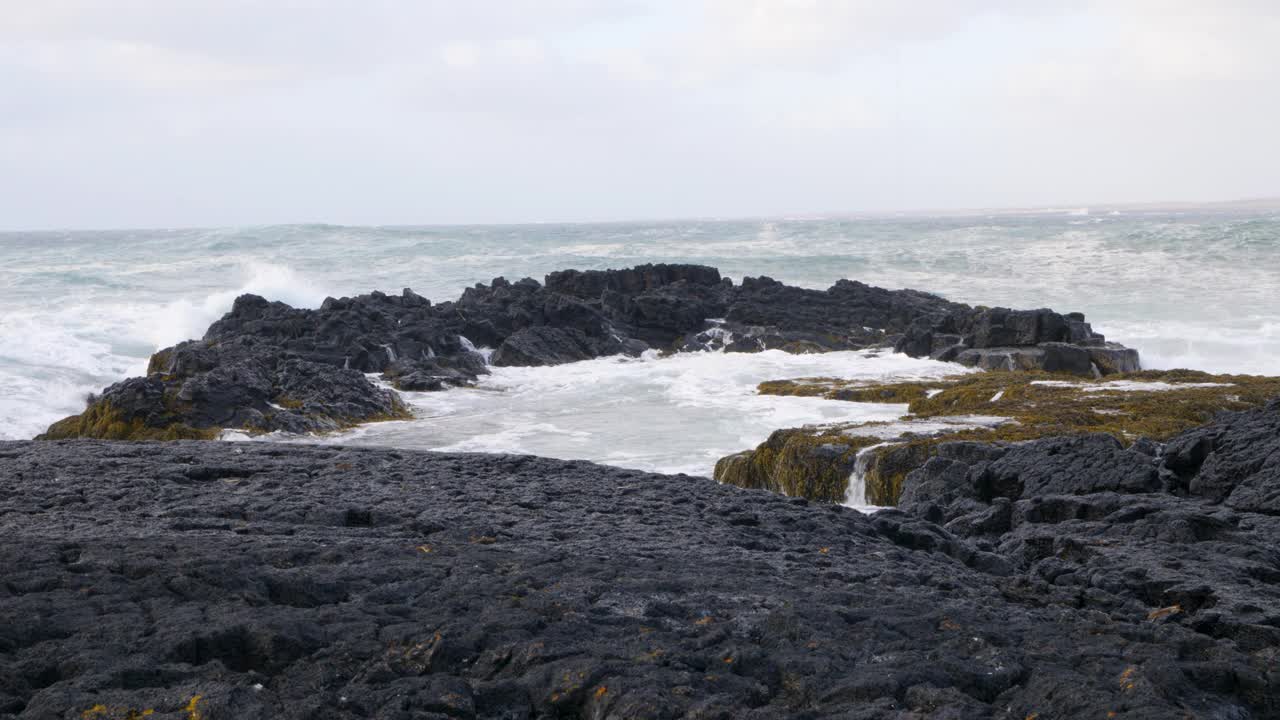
(83, 310)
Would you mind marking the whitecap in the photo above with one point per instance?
(664, 414)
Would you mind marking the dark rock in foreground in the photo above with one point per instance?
(266, 366)
(219, 580)
(1191, 528)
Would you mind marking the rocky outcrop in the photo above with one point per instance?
(266, 366)
(1003, 339)
(997, 406)
(1234, 461)
(1187, 530)
(198, 388)
(254, 581)
(798, 463)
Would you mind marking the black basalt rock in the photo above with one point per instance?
(253, 580)
(265, 366)
(1234, 460)
(1004, 339)
(544, 345)
(1180, 536)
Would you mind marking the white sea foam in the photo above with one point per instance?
(1243, 345)
(485, 353)
(81, 310)
(1136, 386)
(52, 355)
(674, 414)
(187, 318)
(47, 369)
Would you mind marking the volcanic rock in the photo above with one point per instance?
(251, 580)
(265, 366)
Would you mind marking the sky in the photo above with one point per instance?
(166, 113)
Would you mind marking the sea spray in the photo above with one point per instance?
(85, 309)
(679, 413)
(186, 319)
(485, 353)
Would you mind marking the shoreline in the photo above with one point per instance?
(265, 366)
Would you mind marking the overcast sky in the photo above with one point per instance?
(146, 113)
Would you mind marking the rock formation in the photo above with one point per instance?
(819, 462)
(266, 366)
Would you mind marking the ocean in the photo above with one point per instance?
(80, 310)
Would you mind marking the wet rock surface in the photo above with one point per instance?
(1004, 339)
(1052, 579)
(265, 366)
(1132, 409)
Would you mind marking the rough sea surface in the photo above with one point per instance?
(80, 310)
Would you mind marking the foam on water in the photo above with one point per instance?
(673, 414)
(55, 353)
(856, 494)
(81, 310)
(1243, 344)
(187, 318)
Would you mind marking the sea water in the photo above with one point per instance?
(80, 310)
(672, 414)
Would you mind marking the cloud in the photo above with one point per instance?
(459, 54)
(144, 112)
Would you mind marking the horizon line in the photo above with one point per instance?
(1254, 204)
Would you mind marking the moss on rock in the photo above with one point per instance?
(798, 462)
(103, 421)
(1043, 405)
(836, 389)
(160, 362)
(1035, 404)
(888, 466)
(399, 412)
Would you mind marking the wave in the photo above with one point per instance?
(675, 414)
(185, 319)
(53, 356)
(83, 310)
(1249, 347)
(49, 363)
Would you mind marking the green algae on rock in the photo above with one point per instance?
(1154, 404)
(103, 421)
(852, 391)
(887, 467)
(1151, 404)
(166, 406)
(801, 462)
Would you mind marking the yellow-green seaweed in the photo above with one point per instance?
(1036, 405)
